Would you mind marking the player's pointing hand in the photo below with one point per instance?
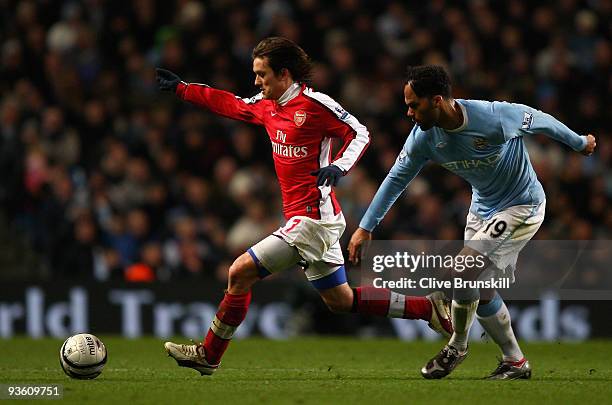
(590, 146)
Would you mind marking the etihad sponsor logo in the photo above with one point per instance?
(299, 118)
(471, 164)
(289, 150)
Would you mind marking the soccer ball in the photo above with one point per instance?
(83, 356)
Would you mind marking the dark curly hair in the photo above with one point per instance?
(428, 81)
(283, 53)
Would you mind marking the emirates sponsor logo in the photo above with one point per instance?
(299, 118)
(289, 151)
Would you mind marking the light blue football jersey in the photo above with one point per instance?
(487, 151)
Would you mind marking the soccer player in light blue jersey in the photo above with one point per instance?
(482, 142)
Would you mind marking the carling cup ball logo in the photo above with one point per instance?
(299, 118)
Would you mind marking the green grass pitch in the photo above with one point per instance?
(315, 370)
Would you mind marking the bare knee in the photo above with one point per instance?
(242, 274)
(338, 308)
(339, 304)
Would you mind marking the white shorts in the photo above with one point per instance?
(505, 234)
(303, 238)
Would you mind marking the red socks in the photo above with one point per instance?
(231, 313)
(366, 300)
(384, 302)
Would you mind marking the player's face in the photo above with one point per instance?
(272, 85)
(423, 111)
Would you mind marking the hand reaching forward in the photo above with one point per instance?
(166, 80)
(354, 247)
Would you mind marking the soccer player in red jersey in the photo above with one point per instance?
(301, 124)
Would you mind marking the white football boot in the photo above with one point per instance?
(191, 356)
(443, 363)
(440, 314)
(511, 370)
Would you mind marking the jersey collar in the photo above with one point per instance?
(465, 119)
(292, 92)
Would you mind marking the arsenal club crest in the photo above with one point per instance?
(299, 118)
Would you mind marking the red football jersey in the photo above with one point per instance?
(302, 125)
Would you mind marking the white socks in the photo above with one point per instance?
(462, 318)
(498, 326)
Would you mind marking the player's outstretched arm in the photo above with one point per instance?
(217, 101)
(354, 247)
(590, 145)
(519, 120)
(394, 184)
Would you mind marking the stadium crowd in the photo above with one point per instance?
(106, 177)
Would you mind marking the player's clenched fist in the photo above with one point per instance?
(354, 247)
(590, 146)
